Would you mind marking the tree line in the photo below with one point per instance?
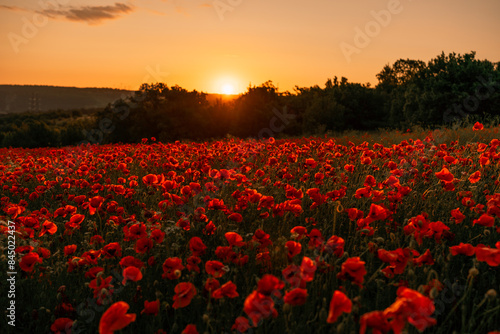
(445, 91)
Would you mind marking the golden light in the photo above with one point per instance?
(228, 89)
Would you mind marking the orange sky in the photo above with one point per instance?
(211, 44)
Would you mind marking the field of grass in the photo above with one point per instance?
(397, 232)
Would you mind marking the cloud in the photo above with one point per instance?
(90, 14)
(13, 8)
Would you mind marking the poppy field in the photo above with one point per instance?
(307, 235)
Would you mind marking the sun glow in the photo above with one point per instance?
(228, 89)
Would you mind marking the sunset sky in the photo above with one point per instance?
(220, 46)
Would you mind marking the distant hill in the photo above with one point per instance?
(22, 98)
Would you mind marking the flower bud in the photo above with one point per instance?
(473, 272)
(491, 294)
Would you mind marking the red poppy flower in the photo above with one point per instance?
(270, 284)
(258, 306)
(457, 215)
(241, 325)
(209, 229)
(28, 261)
(339, 304)
(112, 250)
(150, 179)
(226, 290)
(211, 284)
(425, 258)
(311, 163)
(234, 239)
(397, 259)
(236, 217)
(295, 297)
(215, 268)
(349, 168)
(128, 261)
(377, 212)
(412, 307)
(489, 255)
(143, 245)
(132, 274)
(94, 204)
(192, 263)
(307, 269)
(184, 293)
(99, 284)
(75, 221)
(354, 214)
(190, 329)
(197, 246)
(43, 252)
(172, 268)
(475, 177)
(465, 249)
(92, 272)
(335, 245)
(62, 326)
(298, 232)
(151, 308)
(375, 320)
(135, 232)
(485, 220)
(115, 318)
(157, 236)
(262, 238)
(48, 227)
(444, 175)
(354, 269)
(293, 248)
(96, 240)
(315, 239)
(478, 126)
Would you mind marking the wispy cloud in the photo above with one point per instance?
(90, 14)
(13, 8)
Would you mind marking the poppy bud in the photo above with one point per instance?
(473, 272)
(491, 294)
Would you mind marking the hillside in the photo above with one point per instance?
(17, 98)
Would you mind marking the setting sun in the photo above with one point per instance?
(228, 89)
